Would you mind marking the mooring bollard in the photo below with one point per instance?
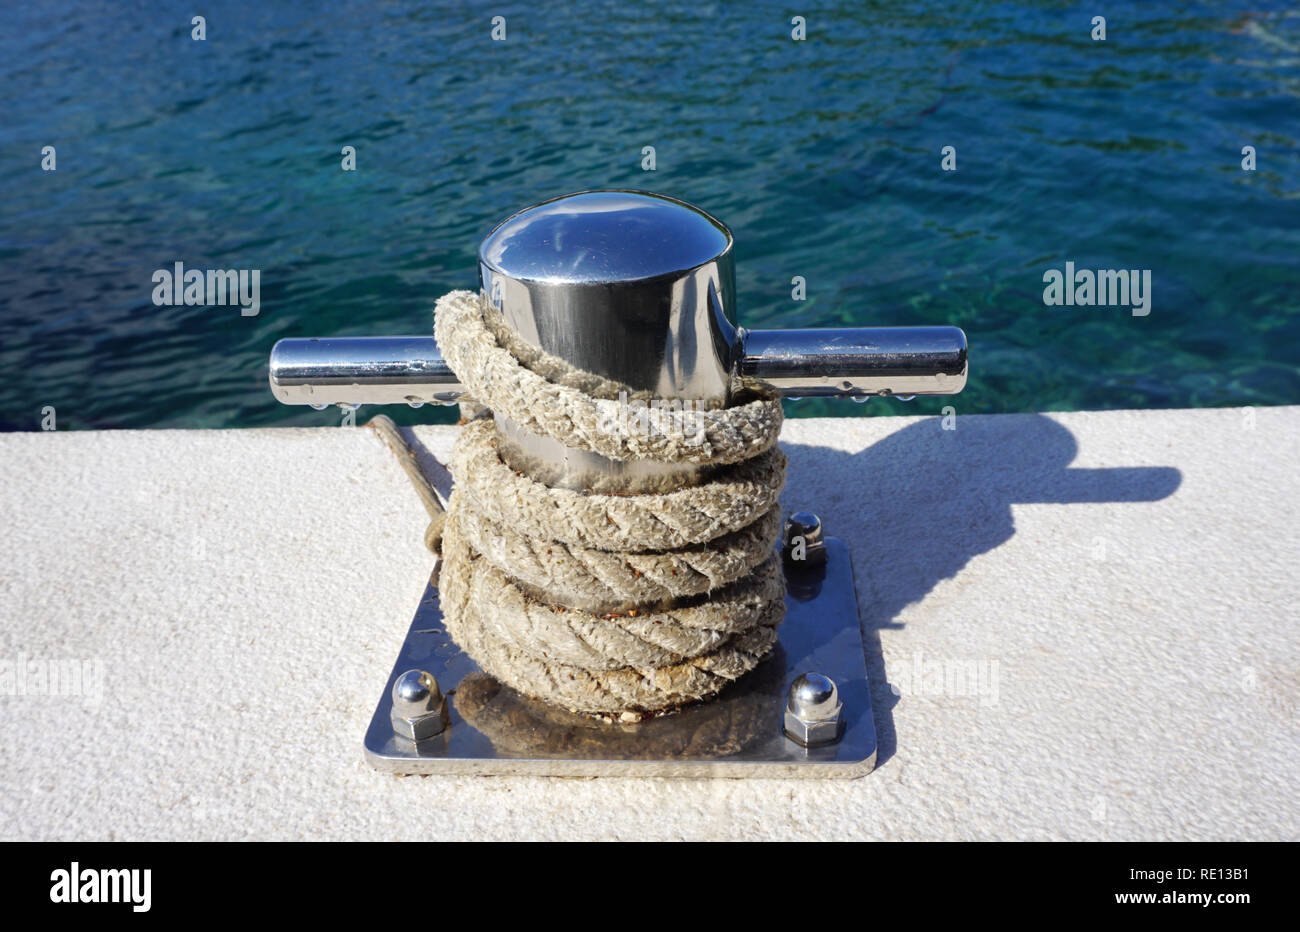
(638, 291)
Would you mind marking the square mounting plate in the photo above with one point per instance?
(495, 730)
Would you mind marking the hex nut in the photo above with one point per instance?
(802, 545)
(811, 734)
(419, 707)
(813, 712)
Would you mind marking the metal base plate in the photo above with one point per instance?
(494, 730)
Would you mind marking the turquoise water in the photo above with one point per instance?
(823, 156)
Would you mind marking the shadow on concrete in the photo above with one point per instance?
(917, 506)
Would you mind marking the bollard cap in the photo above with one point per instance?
(632, 286)
(604, 237)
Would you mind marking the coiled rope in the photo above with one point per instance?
(681, 590)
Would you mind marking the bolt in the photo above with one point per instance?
(812, 713)
(802, 544)
(419, 709)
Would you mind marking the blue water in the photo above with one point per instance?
(823, 157)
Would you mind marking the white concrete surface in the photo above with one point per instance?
(1131, 574)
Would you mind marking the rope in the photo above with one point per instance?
(605, 603)
(561, 404)
(615, 581)
(388, 431)
(736, 498)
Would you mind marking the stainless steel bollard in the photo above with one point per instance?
(639, 288)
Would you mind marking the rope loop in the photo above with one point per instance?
(588, 412)
(606, 604)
